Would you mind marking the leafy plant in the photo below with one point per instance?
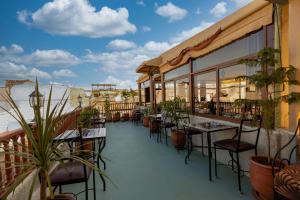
(172, 109)
(44, 150)
(272, 75)
(125, 95)
(86, 116)
(132, 94)
(107, 106)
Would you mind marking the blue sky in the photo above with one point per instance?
(80, 42)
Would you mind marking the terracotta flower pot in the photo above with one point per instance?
(146, 121)
(178, 139)
(126, 116)
(116, 117)
(261, 178)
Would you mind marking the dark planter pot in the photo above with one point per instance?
(146, 121)
(108, 117)
(126, 116)
(178, 139)
(154, 126)
(116, 117)
(261, 178)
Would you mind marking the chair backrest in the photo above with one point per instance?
(183, 118)
(255, 122)
(278, 162)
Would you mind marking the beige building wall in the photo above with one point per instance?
(294, 55)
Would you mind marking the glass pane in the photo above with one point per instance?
(169, 90)
(182, 89)
(183, 70)
(205, 93)
(232, 89)
(158, 93)
(146, 84)
(243, 47)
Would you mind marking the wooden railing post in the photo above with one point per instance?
(7, 158)
(16, 156)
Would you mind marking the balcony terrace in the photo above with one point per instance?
(141, 168)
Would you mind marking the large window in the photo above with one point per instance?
(205, 90)
(180, 71)
(169, 90)
(182, 89)
(232, 88)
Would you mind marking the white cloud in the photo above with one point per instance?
(13, 49)
(126, 60)
(64, 73)
(11, 70)
(156, 46)
(54, 57)
(121, 44)
(78, 18)
(34, 72)
(219, 9)
(185, 34)
(240, 3)
(120, 83)
(146, 29)
(141, 3)
(171, 11)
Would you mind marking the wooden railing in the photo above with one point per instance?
(122, 107)
(16, 141)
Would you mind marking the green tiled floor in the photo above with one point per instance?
(142, 169)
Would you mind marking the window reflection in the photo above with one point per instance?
(169, 89)
(182, 89)
(232, 88)
(205, 93)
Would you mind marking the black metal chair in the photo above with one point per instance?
(189, 133)
(71, 172)
(136, 116)
(236, 146)
(164, 125)
(287, 174)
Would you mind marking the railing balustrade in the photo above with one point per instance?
(16, 141)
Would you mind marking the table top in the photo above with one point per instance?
(88, 134)
(155, 116)
(210, 126)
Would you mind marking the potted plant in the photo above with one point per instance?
(85, 121)
(44, 151)
(146, 119)
(173, 109)
(271, 76)
(116, 116)
(108, 115)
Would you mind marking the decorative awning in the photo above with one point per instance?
(149, 66)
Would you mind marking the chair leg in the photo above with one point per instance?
(60, 189)
(166, 133)
(202, 148)
(188, 149)
(216, 165)
(94, 185)
(239, 172)
(86, 190)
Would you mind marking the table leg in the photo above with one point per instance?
(101, 147)
(101, 144)
(209, 154)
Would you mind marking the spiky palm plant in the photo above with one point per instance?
(44, 151)
(271, 76)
